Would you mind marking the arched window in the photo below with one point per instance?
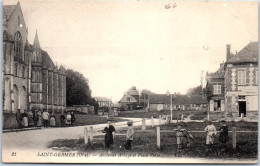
(18, 44)
(16, 69)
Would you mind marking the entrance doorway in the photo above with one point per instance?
(242, 108)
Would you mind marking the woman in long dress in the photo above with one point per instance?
(52, 120)
(39, 119)
(109, 136)
(25, 118)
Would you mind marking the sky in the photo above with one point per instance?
(120, 44)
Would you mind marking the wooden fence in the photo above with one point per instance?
(89, 133)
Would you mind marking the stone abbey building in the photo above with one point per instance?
(31, 81)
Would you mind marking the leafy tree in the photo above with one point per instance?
(195, 91)
(77, 89)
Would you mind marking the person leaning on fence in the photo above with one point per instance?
(129, 135)
(179, 136)
(110, 134)
(188, 137)
(211, 133)
(223, 136)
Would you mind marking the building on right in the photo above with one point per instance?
(232, 91)
(241, 82)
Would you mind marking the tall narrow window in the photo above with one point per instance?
(23, 72)
(18, 43)
(241, 77)
(16, 69)
(33, 76)
(37, 76)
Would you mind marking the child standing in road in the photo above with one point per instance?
(129, 135)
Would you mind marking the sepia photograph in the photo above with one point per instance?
(165, 81)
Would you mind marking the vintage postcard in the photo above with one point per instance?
(88, 81)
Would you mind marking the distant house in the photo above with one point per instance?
(103, 101)
(185, 102)
(216, 89)
(160, 102)
(130, 100)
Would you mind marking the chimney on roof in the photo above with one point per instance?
(228, 55)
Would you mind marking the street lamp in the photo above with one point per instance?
(169, 94)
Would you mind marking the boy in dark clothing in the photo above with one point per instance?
(223, 136)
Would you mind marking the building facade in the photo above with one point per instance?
(241, 81)
(130, 99)
(216, 90)
(234, 87)
(103, 101)
(31, 81)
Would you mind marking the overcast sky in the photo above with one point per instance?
(121, 44)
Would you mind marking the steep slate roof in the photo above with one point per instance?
(159, 99)
(27, 46)
(124, 99)
(46, 61)
(248, 54)
(8, 10)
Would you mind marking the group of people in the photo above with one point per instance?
(183, 135)
(69, 119)
(38, 119)
(110, 135)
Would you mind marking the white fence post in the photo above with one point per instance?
(86, 135)
(234, 137)
(91, 134)
(160, 120)
(158, 137)
(143, 124)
